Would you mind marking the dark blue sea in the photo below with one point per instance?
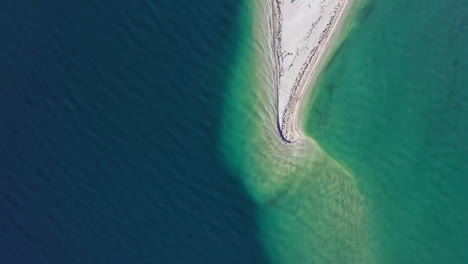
(109, 118)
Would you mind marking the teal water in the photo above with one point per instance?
(309, 208)
(392, 108)
(382, 176)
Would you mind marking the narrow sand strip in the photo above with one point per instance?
(301, 32)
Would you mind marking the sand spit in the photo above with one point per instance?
(301, 32)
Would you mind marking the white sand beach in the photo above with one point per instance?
(301, 32)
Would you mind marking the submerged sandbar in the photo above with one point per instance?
(301, 33)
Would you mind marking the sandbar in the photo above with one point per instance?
(301, 31)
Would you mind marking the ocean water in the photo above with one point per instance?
(109, 115)
(144, 132)
(391, 107)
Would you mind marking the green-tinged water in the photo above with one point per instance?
(311, 210)
(392, 107)
(388, 183)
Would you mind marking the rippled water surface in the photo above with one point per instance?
(109, 111)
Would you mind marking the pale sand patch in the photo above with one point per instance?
(301, 34)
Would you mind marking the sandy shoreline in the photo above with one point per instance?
(301, 35)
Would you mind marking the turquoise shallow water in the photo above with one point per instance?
(385, 179)
(392, 107)
(309, 207)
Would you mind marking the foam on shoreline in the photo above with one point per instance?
(301, 32)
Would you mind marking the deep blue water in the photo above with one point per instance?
(109, 113)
